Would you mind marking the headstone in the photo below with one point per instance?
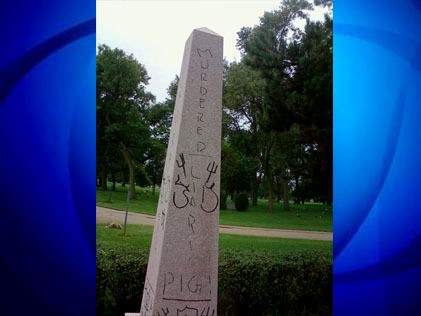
(182, 273)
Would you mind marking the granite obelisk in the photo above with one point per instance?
(182, 273)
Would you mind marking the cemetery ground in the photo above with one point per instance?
(258, 276)
(309, 216)
(140, 236)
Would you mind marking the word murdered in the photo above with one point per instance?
(205, 56)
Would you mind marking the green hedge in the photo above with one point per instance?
(269, 284)
(241, 202)
(119, 280)
(250, 283)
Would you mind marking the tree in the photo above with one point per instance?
(243, 102)
(271, 48)
(311, 102)
(159, 117)
(121, 100)
(236, 173)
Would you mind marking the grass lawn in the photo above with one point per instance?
(305, 217)
(145, 203)
(140, 237)
(310, 216)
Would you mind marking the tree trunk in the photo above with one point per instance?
(279, 189)
(330, 187)
(329, 194)
(112, 179)
(270, 192)
(103, 177)
(123, 180)
(130, 164)
(104, 169)
(297, 197)
(269, 183)
(268, 172)
(233, 196)
(154, 182)
(132, 182)
(255, 189)
(285, 194)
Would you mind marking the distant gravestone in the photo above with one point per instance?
(182, 273)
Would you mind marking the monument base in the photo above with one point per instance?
(131, 314)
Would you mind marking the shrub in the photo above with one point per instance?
(269, 284)
(241, 202)
(249, 283)
(120, 276)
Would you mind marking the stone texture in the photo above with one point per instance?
(183, 264)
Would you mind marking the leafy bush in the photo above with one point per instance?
(120, 276)
(241, 202)
(269, 284)
(250, 283)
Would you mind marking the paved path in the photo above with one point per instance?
(106, 215)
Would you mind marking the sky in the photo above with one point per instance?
(155, 31)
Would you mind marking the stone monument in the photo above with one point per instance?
(182, 275)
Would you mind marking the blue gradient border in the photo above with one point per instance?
(47, 164)
(377, 158)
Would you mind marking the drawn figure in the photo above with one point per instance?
(168, 280)
(194, 288)
(210, 284)
(188, 311)
(165, 187)
(201, 105)
(191, 220)
(148, 297)
(200, 117)
(203, 90)
(201, 146)
(212, 170)
(206, 53)
(195, 176)
(161, 195)
(165, 312)
(207, 190)
(204, 65)
(182, 164)
(162, 219)
(147, 301)
(206, 312)
(177, 202)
